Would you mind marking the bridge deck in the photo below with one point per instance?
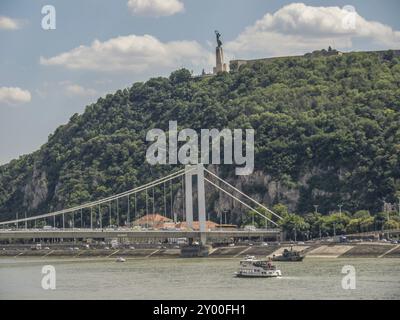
(99, 234)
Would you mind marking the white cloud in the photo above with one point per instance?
(132, 54)
(155, 8)
(298, 28)
(77, 90)
(7, 23)
(14, 95)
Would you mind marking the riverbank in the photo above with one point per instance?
(359, 250)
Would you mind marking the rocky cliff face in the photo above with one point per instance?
(36, 190)
(259, 186)
(263, 188)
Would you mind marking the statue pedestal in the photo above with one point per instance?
(220, 65)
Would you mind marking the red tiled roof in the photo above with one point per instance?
(152, 220)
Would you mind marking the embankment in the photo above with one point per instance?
(361, 250)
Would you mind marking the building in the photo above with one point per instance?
(196, 225)
(159, 222)
(155, 221)
(210, 226)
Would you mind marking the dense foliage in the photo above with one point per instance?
(326, 126)
(315, 225)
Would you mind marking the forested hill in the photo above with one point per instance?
(327, 132)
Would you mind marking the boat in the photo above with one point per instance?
(120, 259)
(289, 255)
(251, 267)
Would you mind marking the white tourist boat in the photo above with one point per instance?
(251, 267)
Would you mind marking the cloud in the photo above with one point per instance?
(132, 54)
(7, 23)
(14, 95)
(77, 90)
(155, 8)
(298, 28)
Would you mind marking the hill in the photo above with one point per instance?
(327, 132)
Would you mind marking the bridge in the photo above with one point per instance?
(129, 234)
(94, 216)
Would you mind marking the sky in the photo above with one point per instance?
(100, 46)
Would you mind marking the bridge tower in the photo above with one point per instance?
(199, 171)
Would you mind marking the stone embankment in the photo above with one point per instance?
(359, 250)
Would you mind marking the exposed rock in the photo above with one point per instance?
(36, 191)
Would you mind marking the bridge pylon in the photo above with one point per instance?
(199, 171)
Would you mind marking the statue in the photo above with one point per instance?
(218, 38)
(219, 56)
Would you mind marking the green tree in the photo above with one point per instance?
(294, 226)
(180, 76)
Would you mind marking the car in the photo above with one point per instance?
(231, 244)
(264, 244)
(300, 242)
(46, 248)
(132, 248)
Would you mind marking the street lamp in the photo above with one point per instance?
(316, 208)
(340, 209)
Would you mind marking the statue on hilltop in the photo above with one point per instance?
(218, 38)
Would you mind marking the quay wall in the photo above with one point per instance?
(361, 250)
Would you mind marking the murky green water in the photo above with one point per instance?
(21, 278)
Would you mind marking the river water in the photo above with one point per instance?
(20, 278)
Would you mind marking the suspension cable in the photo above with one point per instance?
(248, 197)
(104, 200)
(245, 204)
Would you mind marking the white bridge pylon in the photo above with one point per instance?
(188, 172)
(201, 197)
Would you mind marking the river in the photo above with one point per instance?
(20, 278)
